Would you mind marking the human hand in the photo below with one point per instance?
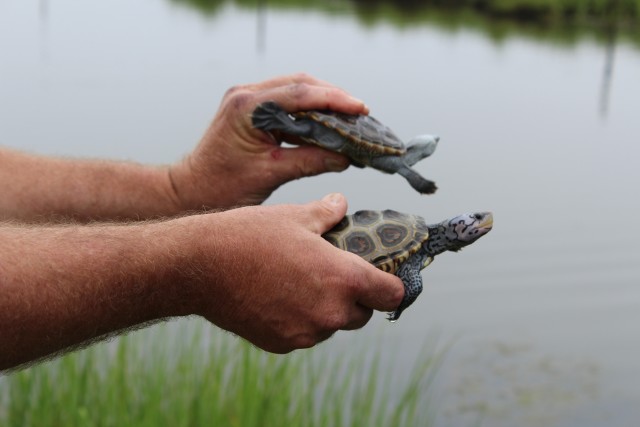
(267, 275)
(235, 164)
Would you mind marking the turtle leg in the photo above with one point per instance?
(417, 181)
(396, 164)
(409, 272)
(269, 116)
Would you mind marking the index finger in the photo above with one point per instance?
(382, 291)
(305, 96)
(290, 79)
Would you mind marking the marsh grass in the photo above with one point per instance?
(194, 379)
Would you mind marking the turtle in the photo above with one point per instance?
(362, 138)
(403, 244)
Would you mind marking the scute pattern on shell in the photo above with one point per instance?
(384, 238)
(364, 131)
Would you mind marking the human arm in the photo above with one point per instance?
(262, 272)
(38, 188)
(232, 165)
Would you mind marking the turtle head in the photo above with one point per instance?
(460, 231)
(425, 144)
(420, 147)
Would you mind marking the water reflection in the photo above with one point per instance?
(607, 74)
(547, 390)
(43, 16)
(261, 26)
(564, 26)
(562, 23)
(43, 10)
(206, 7)
(559, 291)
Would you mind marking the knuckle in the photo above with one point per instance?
(355, 284)
(237, 97)
(320, 215)
(302, 76)
(360, 320)
(335, 321)
(299, 90)
(354, 278)
(282, 349)
(304, 341)
(233, 90)
(306, 167)
(240, 100)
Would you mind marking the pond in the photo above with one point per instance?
(542, 315)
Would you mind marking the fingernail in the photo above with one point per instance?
(333, 198)
(336, 165)
(361, 102)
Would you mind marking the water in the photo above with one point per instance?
(542, 313)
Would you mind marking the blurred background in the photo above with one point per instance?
(537, 104)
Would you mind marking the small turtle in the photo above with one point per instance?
(363, 139)
(403, 244)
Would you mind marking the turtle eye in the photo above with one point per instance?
(478, 216)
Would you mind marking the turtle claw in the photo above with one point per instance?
(417, 181)
(427, 187)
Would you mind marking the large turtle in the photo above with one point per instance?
(366, 141)
(403, 244)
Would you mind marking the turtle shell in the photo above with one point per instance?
(386, 239)
(365, 132)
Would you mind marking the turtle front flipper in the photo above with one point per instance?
(409, 273)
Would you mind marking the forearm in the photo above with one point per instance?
(261, 272)
(36, 188)
(64, 285)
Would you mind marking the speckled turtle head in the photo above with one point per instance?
(460, 231)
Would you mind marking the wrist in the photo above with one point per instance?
(188, 254)
(182, 185)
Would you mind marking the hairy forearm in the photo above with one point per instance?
(61, 286)
(37, 188)
(261, 272)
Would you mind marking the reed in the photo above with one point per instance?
(215, 380)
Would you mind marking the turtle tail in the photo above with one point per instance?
(269, 116)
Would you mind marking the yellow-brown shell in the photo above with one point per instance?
(365, 132)
(386, 239)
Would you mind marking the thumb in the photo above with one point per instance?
(298, 162)
(325, 213)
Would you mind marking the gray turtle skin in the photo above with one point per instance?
(363, 139)
(403, 244)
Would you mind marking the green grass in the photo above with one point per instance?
(194, 379)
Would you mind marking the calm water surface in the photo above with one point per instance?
(543, 313)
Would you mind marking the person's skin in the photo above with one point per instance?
(233, 165)
(262, 272)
